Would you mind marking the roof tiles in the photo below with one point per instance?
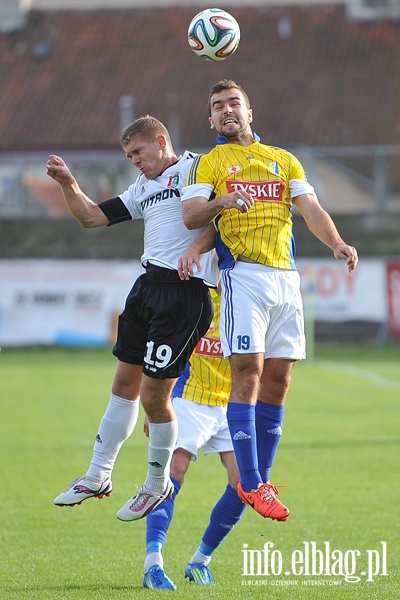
(330, 82)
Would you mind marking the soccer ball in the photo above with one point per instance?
(213, 34)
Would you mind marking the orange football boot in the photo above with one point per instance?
(265, 502)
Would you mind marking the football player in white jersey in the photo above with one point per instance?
(163, 320)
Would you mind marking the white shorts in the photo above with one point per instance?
(201, 426)
(262, 311)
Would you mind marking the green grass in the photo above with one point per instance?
(339, 457)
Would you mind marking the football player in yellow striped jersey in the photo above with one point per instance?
(207, 378)
(200, 397)
(248, 188)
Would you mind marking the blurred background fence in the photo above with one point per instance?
(348, 179)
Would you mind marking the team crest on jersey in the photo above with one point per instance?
(173, 181)
(263, 191)
(233, 170)
(275, 167)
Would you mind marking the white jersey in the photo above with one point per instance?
(158, 202)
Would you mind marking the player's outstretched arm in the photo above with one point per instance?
(322, 226)
(83, 208)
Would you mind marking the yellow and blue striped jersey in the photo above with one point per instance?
(264, 233)
(207, 377)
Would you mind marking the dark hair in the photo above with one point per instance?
(226, 84)
(146, 127)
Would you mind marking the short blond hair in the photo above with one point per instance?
(146, 127)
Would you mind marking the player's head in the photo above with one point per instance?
(147, 128)
(229, 109)
(147, 144)
(223, 86)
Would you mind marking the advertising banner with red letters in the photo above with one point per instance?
(336, 295)
(77, 302)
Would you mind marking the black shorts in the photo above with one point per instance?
(163, 320)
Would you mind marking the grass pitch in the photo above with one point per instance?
(339, 457)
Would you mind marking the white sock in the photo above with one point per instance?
(116, 426)
(161, 446)
(154, 558)
(199, 557)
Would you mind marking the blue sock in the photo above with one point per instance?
(269, 431)
(241, 421)
(159, 520)
(224, 516)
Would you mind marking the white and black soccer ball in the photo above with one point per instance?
(213, 34)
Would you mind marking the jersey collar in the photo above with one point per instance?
(171, 165)
(221, 139)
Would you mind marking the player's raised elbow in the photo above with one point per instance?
(190, 223)
(90, 222)
(87, 224)
(193, 215)
(93, 217)
(189, 217)
(195, 222)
